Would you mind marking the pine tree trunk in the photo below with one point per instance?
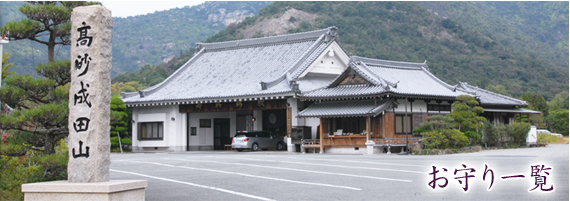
(49, 144)
(51, 48)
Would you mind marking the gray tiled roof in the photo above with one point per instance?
(414, 81)
(235, 69)
(359, 108)
(490, 98)
(401, 78)
(310, 83)
(515, 110)
(345, 91)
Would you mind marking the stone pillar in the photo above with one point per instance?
(90, 95)
(89, 113)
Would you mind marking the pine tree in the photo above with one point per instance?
(49, 18)
(41, 105)
(5, 65)
(465, 112)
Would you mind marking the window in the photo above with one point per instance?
(150, 131)
(433, 107)
(192, 131)
(205, 123)
(403, 124)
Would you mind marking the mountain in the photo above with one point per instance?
(539, 29)
(483, 43)
(140, 40)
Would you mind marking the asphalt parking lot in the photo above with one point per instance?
(279, 175)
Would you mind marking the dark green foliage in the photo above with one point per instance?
(126, 141)
(440, 132)
(41, 105)
(114, 142)
(445, 138)
(505, 135)
(50, 18)
(119, 117)
(560, 101)
(557, 121)
(536, 102)
(436, 122)
(518, 132)
(490, 134)
(465, 111)
(21, 165)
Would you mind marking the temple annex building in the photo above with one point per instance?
(298, 86)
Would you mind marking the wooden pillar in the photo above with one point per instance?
(321, 141)
(367, 128)
(383, 125)
(528, 117)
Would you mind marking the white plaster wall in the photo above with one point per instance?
(205, 136)
(155, 114)
(332, 61)
(294, 103)
(313, 123)
(417, 106)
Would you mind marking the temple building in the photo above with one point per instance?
(297, 82)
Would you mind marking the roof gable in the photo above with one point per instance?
(332, 61)
(358, 73)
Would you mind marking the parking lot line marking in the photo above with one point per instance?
(192, 184)
(339, 166)
(248, 175)
(300, 170)
(358, 162)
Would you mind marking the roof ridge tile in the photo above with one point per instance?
(265, 40)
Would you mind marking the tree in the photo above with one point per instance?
(40, 105)
(439, 132)
(560, 101)
(120, 116)
(557, 121)
(5, 66)
(49, 18)
(500, 89)
(536, 102)
(465, 113)
(436, 122)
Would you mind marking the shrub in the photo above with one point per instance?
(456, 139)
(518, 133)
(434, 139)
(505, 135)
(126, 141)
(114, 142)
(557, 121)
(32, 167)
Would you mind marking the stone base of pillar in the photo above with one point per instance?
(64, 190)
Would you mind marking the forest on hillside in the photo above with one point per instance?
(407, 31)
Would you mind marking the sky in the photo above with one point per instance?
(133, 8)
